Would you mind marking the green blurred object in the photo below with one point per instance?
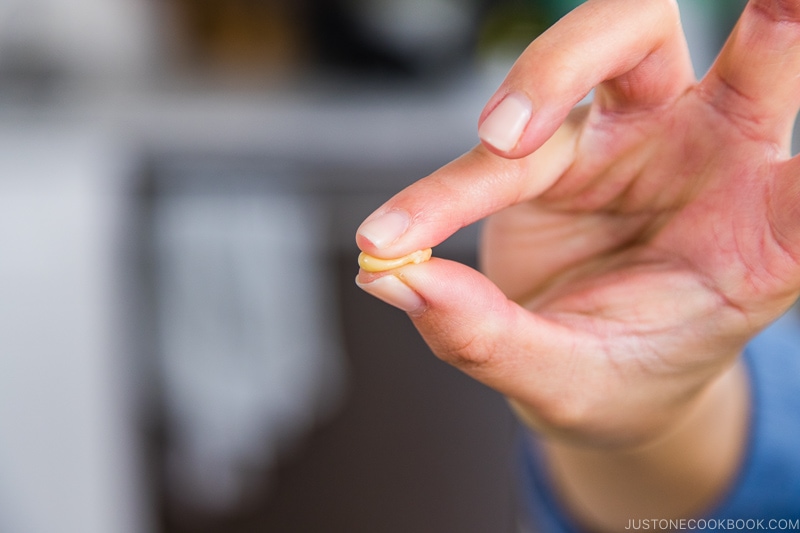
(725, 11)
(511, 25)
(555, 9)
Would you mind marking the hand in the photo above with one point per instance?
(635, 245)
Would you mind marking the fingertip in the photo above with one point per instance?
(383, 230)
(391, 290)
(504, 126)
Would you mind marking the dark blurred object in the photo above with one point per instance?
(340, 43)
(27, 76)
(396, 37)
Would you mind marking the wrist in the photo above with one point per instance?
(678, 475)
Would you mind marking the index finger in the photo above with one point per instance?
(468, 189)
(601, 40)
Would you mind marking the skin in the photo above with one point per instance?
(632, 249)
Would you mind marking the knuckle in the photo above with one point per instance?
(472, 351)
(673, 7)
(778, 10)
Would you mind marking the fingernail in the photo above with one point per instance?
(505, 124)
(385, 229)
(394, 292)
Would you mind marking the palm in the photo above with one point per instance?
(659, 241)
(633, 226)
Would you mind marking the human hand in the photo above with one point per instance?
(635, 245)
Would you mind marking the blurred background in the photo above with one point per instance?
(182, 347)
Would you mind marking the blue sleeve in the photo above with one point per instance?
(768, 483)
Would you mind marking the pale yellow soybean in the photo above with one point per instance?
(375, 264)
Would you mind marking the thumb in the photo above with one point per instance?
(469, 323)
(562, 378)
(459, 312)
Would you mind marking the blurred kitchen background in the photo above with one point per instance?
(182, 347)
